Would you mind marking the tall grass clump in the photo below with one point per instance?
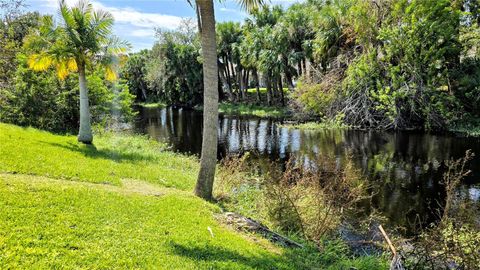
(310, 200)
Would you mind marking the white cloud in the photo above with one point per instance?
(129, 22)
(231, 10)
(143, 33)
(129, 15)
(141, 19)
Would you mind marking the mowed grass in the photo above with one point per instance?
(47, 223)
(111, 158)
(59, 224)
(124, 204)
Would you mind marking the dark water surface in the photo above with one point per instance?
(404, 169)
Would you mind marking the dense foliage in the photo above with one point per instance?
(45, 99)
(174, 71)
(395, 64)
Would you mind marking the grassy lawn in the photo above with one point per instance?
(250, 109)
(263, 90)
(111, 158)
(152, 104)
(125, 203)
(317, 125)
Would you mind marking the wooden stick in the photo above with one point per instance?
(392, 248)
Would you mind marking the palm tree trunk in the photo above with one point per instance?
(280, 85)
(247, 75)
(275, 87)
(269, 89)
(85, 131)
(288, 78)
(257, 82)
(208, 159)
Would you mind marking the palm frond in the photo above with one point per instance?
(83, 38)
(40, 62)
(251, 5)
(115, 45)
(110, 73)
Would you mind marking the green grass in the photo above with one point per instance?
(250, 109)
(126, 203)
(48, 223)
(152, 104)
(111, 158)
(263, 90)
(324, 124)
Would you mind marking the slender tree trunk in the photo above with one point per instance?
(234, 76)
(240, 81)
(269, 90)
(304, 67)
(224, 85)
(280, 86)
(222, 72)
(144, 92)
(247, 75)
(275, 86)
(257, 82)
(229, 79)
(85, 131)
(208, 161)
(288, 78)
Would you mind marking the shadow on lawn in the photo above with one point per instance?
(89, 150)
(308, 257)
(213, 253)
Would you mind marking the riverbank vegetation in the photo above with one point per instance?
(391, 65)
(330, 58)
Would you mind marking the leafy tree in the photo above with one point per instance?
(229, 36)
(134, 72)
(174, 71)
(42, 100)
(82, 40)
(13, 28)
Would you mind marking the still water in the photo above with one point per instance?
(404, 169)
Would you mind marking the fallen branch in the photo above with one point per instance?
(396, 263)
(247, 224)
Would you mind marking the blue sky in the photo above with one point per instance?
(135, 20)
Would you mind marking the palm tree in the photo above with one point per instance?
(208, 161)
(84, 38)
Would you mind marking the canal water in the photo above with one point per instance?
(404, 169)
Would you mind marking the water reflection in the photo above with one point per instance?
(403, 168)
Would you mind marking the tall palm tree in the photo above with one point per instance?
(84, 38)
(206, 25)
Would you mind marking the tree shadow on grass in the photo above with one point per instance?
(214, 254)
(307, 257)
(90, 151)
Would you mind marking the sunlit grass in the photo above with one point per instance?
(158, 105)
(46, 223)
(250, 109)
(111, 158)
